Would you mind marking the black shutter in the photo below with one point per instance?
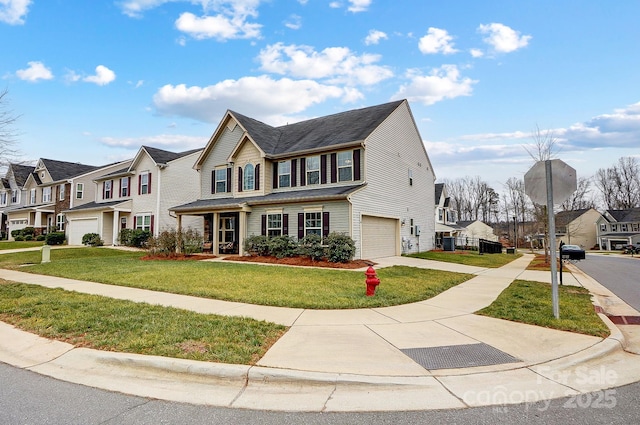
(257, 175)
(325, 224)
(263, 228)
(303, 171)
(275, 175)
(300, 226)
(294, 170)
(229, 172)
(356, 164)
(240, 185)
(323, 169)
(334, 168)
(213, 182)
(285, 224)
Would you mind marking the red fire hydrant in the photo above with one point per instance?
(372, 281)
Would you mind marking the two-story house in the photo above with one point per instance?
(137, 195)
(445, 216)
(364, 173)
(47, 193)
(12, 195)
(617, 228)
(578, 227)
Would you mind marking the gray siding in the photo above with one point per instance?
(217, 157)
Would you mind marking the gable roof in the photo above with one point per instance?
(162, 157)
(563, 218)
(21, 173)
(339, 129)
(629, 214)
(61, 170)
(439, 188)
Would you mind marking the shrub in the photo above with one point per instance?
(134, 237)
(28, 237)
(192, 241)
(283, 246)
(29, 231)
(19, 238)
(16, 233)
(311, 246)
(164, 244)
(54, 238)
(257, 245)
(40, 238)
(340, 247)
(92, 239)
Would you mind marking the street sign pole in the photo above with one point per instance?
(552, 241)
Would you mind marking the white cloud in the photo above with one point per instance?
(36, 71)
(476, 53)
(13, 12)
(502, 38)
(294, 22)
(338, 64)
(171, 142)
(219, 27)
(374, 37)
(273, 101)
(359, 5)
(135, 8)
(442, 83)
(437, 41)
(102, 77)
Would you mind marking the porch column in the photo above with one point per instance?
(116, 228)
(179, 230)
(216, 229)
(242, 231)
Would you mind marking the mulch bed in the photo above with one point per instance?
(303, 261)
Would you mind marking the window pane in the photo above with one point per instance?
(248, 183)
(344, 174)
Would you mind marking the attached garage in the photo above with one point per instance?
(80, 227)
(379, 237)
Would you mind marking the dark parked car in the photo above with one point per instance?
(632, 249)
(572, 252)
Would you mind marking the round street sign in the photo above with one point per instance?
(563, 178)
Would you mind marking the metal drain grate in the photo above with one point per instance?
(458, 356)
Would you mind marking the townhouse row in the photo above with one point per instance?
(364, 172)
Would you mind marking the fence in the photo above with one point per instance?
(489, 247)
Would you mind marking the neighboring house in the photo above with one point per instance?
(13, 195)
(578, 227)
(137, 195)
(471, 231)
(47, 194)
(616, 228)
(445, 216)
(364, 173)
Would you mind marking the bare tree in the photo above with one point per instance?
(581, 198)
(8, 135)
(544, 145)
(619, 185)
(473, 198)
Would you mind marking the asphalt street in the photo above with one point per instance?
(620, 275)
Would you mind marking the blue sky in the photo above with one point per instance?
(95, 80)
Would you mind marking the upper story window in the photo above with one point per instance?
(124, 187)
(46, 194)
(79, 190)
(220, 180)
(3, 198)
(32, 196)
(624, 227)
(284, 174)
(603, 227)
(15, 197)
(313, 170)
(108, 189)
(440, 214)
(61, 191)
(410, 177)
(614, 227)
(144, 183)
(248, 182)
(345, 166)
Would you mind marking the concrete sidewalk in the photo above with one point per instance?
(433, 354)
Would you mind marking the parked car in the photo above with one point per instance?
(572, 252)
(632, 249)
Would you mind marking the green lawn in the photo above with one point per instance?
(5, 245)
(241, 282)
(115, 325)
(530, 302)
(468, 258)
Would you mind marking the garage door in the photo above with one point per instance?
(80, 227)
(379, 237)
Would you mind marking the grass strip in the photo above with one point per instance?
(5, 245)
(241, 282)
(114, 325)
(468, 258)
(530, 302)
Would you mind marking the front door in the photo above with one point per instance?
(228, 234)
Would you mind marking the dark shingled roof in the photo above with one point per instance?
(630, 214)
(337, 192)
(61, 170)
(332, 130)
(21, 173)
(96, 205)
(439, 188)
(563, 218)
(161, 156)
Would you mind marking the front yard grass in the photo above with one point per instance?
(115, 325)
(530, 302)
(468, 258)
(241, 282)
(4, 245)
